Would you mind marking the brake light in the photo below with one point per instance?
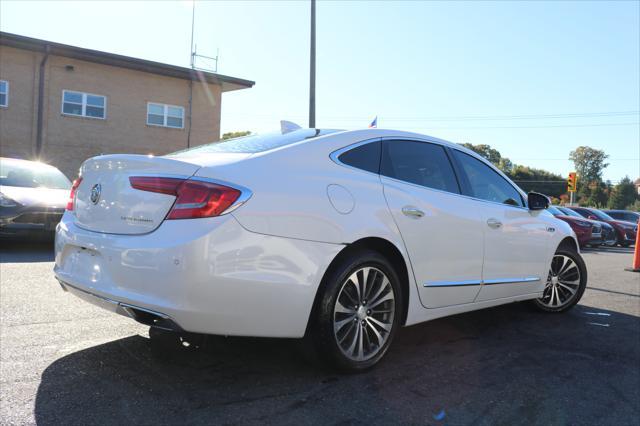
(72, 194)
(194, 198)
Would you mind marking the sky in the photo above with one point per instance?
(534, 80)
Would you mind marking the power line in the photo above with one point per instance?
(469, 117)
(525, 127)
(567, 159)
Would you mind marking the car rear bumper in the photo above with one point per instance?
(200, 275)
(142, 315)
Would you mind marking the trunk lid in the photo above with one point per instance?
(106, 202)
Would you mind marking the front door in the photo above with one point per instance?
(442, 230)
(515, 242)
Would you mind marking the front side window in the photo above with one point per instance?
(4, 93)
(83, 104)
(420, 163)
(165, 115)
(485, 183)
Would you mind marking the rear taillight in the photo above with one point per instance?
(72, 194)
(194, 198)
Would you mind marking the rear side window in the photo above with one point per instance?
(420, 163)
(485, 183)
(364, 157)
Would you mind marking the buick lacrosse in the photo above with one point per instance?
(338, 236)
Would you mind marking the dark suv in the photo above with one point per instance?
(626, 215)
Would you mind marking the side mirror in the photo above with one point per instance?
(537, 201)
(592, 217)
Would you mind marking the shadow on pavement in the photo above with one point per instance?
(20, 251)
(505, 365)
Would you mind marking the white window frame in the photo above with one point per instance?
(165, 114)
(6, 104)
(84, 105)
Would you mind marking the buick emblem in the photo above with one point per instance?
(95, 193)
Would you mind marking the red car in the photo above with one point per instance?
(625, 231)
(588, 231)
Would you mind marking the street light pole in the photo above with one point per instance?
(312, 69)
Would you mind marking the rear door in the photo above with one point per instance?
(441, 229)
(516, 242)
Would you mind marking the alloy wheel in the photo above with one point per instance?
(363, 313)
(563, 282)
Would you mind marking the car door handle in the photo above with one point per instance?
(494, 223)
(412, 212)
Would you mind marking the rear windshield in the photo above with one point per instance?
(254, 143)
(27, 174)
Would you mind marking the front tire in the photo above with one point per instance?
(566, 282)
(359, 312)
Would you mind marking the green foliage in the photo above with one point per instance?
(486, 151)
(598, 195)
(623, 194)
(538, 180)
(589, 163)
(231, 135)
(635, 207)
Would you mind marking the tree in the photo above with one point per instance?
(589, 163)
(635, 207)
(538, 180)
(597, 195)
(623, 194)
(231, 135)
(493, 155)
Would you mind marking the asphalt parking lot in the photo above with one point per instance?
(63, 361)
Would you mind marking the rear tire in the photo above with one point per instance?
(358, 313)
(566, 282)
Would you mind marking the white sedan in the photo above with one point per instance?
(339, 236)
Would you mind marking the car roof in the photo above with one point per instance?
(31, 163)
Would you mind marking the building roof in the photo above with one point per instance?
(21, 42)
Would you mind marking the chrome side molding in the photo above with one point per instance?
(452, 283)
(511, 280)
(481, 282)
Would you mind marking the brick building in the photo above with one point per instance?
(63, 104)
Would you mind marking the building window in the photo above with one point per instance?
(83, 104)
(4, 93)
(165, 115)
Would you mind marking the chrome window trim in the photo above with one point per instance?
(335, 154)
(432, 284)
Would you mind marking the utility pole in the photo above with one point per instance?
(193, 20)
(312, 69)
